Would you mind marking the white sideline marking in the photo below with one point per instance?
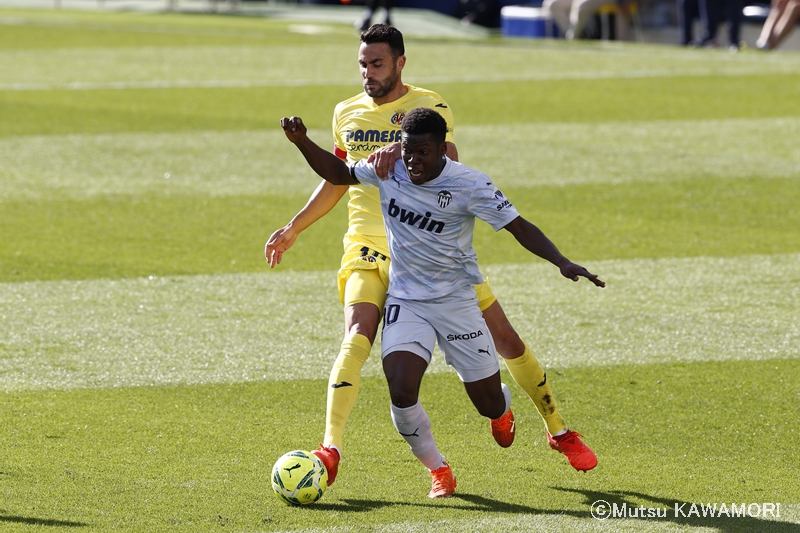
(164, 84)
(327, 82)
(279, 326)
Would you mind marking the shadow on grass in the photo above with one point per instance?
(685, 513)
(40, 521)
(354, 506)
(472, 502)
(632, 500)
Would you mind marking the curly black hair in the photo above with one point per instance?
(424, 120)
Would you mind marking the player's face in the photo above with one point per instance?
(380, 72)
(423, 156)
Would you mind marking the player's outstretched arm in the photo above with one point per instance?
(536, 242)
(322, 200)
(325, 164)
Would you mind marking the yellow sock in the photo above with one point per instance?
(343, 386)
(530, 375)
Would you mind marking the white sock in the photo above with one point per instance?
(415, 427)
(507, 394)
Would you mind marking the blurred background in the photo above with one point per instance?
(651, 21)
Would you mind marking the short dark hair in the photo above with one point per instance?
(423, 121)
(383, 33)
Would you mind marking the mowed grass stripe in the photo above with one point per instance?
(258, 81)
(45, 30)
(163, 110)
(179, 66)
(620, 152)
(576, 101)
(265, 50)
(263, 162)
(197, 458)
(160, 404)
(196, 163)
(134, 236)
(276, 326)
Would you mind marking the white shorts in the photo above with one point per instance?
(456, 324)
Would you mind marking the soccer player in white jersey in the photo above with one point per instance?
(429, 205)
(361, 125)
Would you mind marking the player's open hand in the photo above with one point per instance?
(294, 128)
(279, 242)
(384, 159)
(574, 272)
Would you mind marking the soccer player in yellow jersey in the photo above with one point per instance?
(363, 125)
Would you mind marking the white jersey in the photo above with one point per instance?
(429, 227)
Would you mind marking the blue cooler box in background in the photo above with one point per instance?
(527, 21)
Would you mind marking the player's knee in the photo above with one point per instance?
(401, 391)
(506, 339)
(362, 319)
(367, 330)
(509, 345)
(402, 398)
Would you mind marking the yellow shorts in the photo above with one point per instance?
(364, 273)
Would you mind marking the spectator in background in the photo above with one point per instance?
(782, 18)
(712, 12)
(372, 5)
(571, 16)
(688, 12)
(483, 12)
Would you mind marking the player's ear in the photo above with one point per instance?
(401, 62)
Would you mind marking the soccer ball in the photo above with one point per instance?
(299, 478)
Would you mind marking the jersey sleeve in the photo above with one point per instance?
(364, 173)
(443, 109)
(491, 205)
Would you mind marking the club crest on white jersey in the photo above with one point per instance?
(444, 198)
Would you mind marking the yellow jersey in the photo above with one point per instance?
(360, 127)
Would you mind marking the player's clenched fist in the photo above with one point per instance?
(294, 128)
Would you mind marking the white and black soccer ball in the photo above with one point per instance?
(299, 478)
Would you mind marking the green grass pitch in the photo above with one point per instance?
(152, 367)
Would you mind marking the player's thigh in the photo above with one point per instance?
(464, 338)
(364, 297)
(406, 329)
(407, 342)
